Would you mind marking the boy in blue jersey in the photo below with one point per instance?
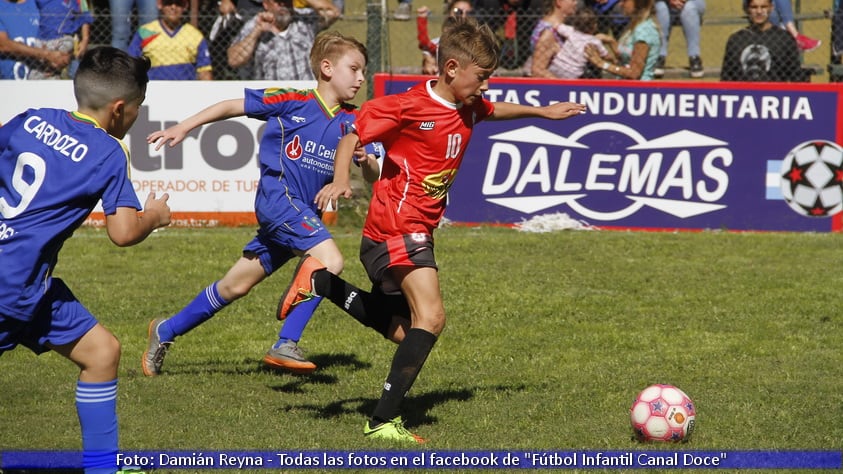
(55, 166)
(296, 161)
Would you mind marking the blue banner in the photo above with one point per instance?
(656, 155)
(432, 459)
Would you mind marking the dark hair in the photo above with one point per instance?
(106, 74)
(584, 20)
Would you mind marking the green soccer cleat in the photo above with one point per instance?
(392, 430)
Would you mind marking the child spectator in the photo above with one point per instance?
(178, 50)
(570, 62)
(64, 26)
(19, 21)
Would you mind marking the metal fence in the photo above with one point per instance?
(393, 45)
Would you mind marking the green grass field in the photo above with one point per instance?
(549, 338)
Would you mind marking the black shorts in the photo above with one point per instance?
(409, 250)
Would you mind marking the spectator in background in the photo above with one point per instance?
(837, 32)
(428, 46)
(276, 43)
(545, 42)
(610, 17)
(64, 26)
(637, 50)
(782, 15)
(569, 61)
(402, 13)
(761, 51)
(121, 19)
(688, 14)
(19, 22)
(178, 50)
(513, 21)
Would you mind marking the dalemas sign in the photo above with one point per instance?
(657, 155)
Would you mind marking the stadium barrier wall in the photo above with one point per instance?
(211, 176)
(656, 156)
(647, 155)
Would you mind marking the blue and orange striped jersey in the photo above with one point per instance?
(55, 166)
(177, 57)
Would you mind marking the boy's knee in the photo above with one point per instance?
(333, 262)
(233, 291)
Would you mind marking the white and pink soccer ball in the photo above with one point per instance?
(662, 413)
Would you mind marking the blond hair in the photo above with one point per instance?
(332, 45)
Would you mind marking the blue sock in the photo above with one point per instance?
(96, 405)
(202, 308)
(296, 321)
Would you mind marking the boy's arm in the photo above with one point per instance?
(219, 111)
(557, 111)
(128, 227)
(54, 59)
(370, 167)
(341, 186)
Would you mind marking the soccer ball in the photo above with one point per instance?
(662, 413)
(812, 178)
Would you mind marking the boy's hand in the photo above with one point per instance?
(174, 135)
(158, 209)
(331, 192)
(563, 110)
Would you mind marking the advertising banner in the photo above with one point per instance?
(647, 154)
(211, 176)
(656, 155)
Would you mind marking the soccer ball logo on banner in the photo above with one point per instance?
(662, 413)
(812, 178)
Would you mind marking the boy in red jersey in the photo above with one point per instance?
(425, 132)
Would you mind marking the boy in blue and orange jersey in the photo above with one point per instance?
(55, 166)
(296, 161)
(178, 50)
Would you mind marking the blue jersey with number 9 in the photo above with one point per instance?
(55, 166)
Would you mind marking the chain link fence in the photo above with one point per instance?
(393, 45)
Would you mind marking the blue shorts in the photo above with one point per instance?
(60, 319)
(294, 226)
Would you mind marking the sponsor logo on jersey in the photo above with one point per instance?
(427, 125)
(298, 119)
(293, 149)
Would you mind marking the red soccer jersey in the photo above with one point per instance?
(425, 139)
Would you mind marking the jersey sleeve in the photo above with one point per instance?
(263, 103)
(379, 119)
(118, 190)
(203, 57)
